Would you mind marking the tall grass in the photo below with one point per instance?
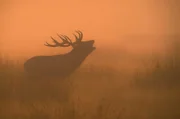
(164, 73)
(22, 97)
(93, 93)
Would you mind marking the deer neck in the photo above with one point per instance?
(77, 55)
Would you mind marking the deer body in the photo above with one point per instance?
(60, 65)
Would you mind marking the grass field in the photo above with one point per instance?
(93, 92)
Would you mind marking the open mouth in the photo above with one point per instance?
(93, 45)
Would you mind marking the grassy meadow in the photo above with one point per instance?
(94, 92)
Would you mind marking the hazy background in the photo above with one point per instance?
(137, 37)
(129, 26)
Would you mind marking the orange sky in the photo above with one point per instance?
(114, 24)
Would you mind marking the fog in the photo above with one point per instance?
(116, 25)
(132, 73)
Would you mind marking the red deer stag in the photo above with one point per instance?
(60, 65)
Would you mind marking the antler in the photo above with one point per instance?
(66, 40)
(78, 39)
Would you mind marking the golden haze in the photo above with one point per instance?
(114, 24)
(131, 35)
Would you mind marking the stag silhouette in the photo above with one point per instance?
(60, 65)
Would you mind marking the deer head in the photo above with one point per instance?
(64, 64)
(77, 45)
